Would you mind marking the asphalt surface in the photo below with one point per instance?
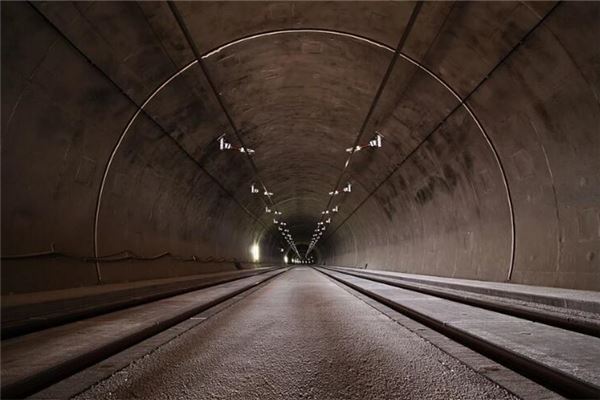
(299, 337)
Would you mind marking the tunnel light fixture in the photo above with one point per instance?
(253, 189)
(255, 251)
(225, 145)
(376, 142)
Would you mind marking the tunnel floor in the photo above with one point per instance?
(299, 336)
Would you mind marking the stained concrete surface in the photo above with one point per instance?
(300, 336)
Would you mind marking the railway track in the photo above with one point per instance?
(39, 359)
(559, 352)
(560, 355)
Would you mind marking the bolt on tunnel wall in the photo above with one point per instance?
(112, 170)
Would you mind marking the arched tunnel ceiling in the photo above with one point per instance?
(315, 86)
(297, 79)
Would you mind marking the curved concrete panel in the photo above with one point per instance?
(109, 131)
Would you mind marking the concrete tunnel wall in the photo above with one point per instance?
(508, 186)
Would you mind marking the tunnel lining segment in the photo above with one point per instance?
(463, 103)
(375, 101)
(190, 40)
(305, 30)
(139, 110)
(199, 60)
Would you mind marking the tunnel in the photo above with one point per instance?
(166, 141)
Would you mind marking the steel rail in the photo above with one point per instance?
(36, 382)
(587, 327)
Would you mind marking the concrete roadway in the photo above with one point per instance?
(300, 336)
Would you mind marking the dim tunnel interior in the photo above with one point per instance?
(112, 171)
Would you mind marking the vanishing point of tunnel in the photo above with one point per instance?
(327, 200)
